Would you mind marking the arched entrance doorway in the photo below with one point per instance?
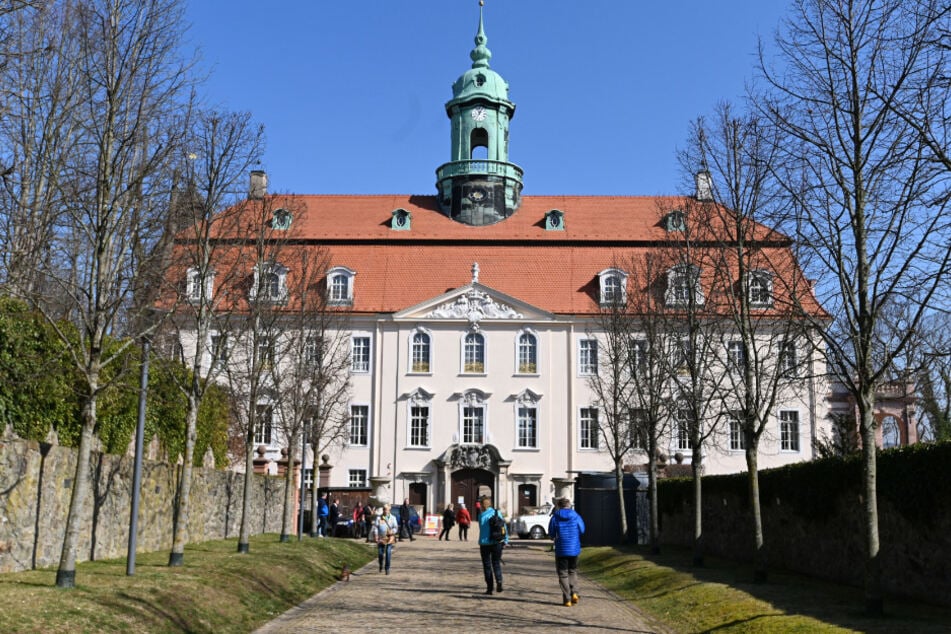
(527, 496)
(470, 485)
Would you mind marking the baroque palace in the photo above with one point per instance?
(474, 321)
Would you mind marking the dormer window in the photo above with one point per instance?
(555, 220)
(760, 288)
(270, 282)
(198, 287)
(683, 286)
(281, 220)
(401, 220)
(675, 221)
(340, 286)
(613, 287)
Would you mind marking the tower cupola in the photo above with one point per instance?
(479, 186)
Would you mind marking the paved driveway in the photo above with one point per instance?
(437, 586)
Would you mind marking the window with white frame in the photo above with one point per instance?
(684, 420)
(265, 352)
(419, 426)
(637, 355)
(683, 286)
(360, 354)
(220, 351)
(527, 353)
(263, 424)
(736, 356)
(613, 287)
(789, 430)
(637, 428)
(473, 424)
(357, 478)
(760, 289)
(308, 478)
(420, 352)
(526, 432)
(313, 351)
(788, 361)
(473, 353)
(270, 282)
(681, 352)
(340, 286)
(198, 287)
(359, 425)
(588, 429)
(737, 433)
(588, 357)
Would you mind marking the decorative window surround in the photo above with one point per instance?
(270, 283)
(340, 281)
(613, 287)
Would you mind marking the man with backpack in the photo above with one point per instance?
(492, 539)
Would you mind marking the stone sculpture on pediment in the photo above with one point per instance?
(474, 306)
(472, 457)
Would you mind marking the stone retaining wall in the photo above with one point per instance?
(36, 483)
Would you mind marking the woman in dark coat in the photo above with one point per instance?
(448, 520)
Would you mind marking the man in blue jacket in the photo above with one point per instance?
(566, 528)
(323, 512)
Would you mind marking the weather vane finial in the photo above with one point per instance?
(475, 272)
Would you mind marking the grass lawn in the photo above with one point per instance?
(217, 590)
(721, 597)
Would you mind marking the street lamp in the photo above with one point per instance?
(137, 471)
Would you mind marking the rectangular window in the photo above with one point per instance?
(527, 354)
(359, 422)
(736, 357)
(263, 424)
(788, 364)
(265, 360)
(789, 430)
(474, 354)
(308, 478)
(360, 358)
(527, 432)
(637, 352)
(420, 352)
(589, 428)
(737, 436)
(358, 478)
(588, 357)
(219, 351)
(684, 420)
(419, 426)
(681, 353)
(637, 424)
(312, 352)
(473, 425)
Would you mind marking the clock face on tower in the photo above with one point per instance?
(478, 113)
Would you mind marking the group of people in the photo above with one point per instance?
(451, 517)
(565, 528)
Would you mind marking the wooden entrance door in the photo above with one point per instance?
(527, 496)
(417, 497)
(470, 485)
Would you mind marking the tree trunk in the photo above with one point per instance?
(180, 528)
(874, 599)
(619, 479)
(313, 495)
(66, 574)
(244, 536)
(289, 492)
(760, 570)
(652, 492)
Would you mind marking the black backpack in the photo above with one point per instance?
(496, 527)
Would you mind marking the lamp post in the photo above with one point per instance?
(137, 470)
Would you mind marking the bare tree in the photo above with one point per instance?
(111, 184)
(40, 128)
(312, 377)
(756, 290)
(218, 154)
(868, 194)
(612, 384)
(694, 329)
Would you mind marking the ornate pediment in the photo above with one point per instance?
(474, 306)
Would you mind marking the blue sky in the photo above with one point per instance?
(352, 93)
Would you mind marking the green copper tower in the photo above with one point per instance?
(479, 186)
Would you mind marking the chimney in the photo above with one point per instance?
(704, 186)
(258, 189)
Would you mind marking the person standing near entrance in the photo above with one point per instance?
(566, 528)
(323, 512)
(405, 521)
(463, 519)
(385, 529)
(448, 517)
(492, 540)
